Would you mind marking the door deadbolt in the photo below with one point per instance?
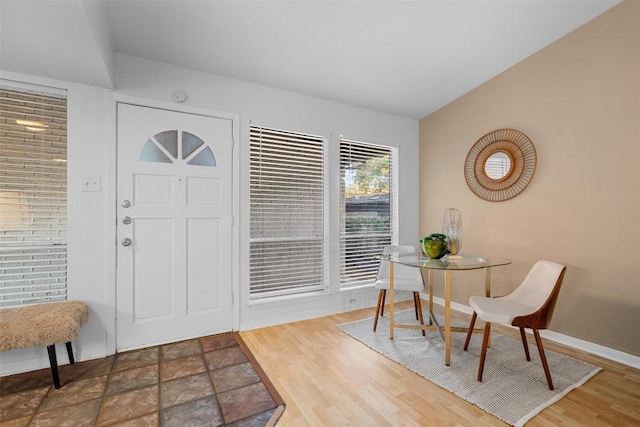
(125, 204)
(127, 220)
(126, 241)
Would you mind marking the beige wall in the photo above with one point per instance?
(578, 100)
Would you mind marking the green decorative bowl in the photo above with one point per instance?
(434, 245)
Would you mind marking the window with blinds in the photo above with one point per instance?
(288, 211)
(33, 197)
(367, 209)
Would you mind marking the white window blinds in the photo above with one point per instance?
(33, 197)
(288, 210)
(367, 211)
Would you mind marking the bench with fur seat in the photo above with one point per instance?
(43, 324)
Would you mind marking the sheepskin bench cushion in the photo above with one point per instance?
(43, 324)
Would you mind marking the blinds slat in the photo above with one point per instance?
(367, 177)
(287, 199)
(33, 197)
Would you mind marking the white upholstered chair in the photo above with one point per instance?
(405, 278)
(530, 305)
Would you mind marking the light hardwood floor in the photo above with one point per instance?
(327, 378)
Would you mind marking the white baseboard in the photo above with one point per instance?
(575, 343)
(34, 358)
(589, 347)
(17, 361)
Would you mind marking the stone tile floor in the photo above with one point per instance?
(208, 381)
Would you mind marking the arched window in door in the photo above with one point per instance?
(170, 146)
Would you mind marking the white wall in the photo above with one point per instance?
(285, 110)
(87, 142)
(91, 152)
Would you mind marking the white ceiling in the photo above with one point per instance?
(407, 58)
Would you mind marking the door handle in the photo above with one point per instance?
(126, 220)
(126, 241)
(125, 204)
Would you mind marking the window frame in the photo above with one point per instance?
(34, 230)
(317, 260)
(367, 262)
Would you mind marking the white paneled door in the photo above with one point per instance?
(174, 226)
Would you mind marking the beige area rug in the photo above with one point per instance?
(513, 390)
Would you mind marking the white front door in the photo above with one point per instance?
(174, 226)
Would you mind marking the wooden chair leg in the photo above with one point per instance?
(543, 358)
(485, 344)
(380, 304)
(415, 305)
(384, 297)
(470, 331)
(524, 342)
(418, 304)
(53, 361)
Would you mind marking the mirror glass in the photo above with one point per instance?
(497, 165)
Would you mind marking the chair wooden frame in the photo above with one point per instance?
(382, 295)
(535, 321)
(383, 292)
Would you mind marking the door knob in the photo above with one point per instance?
(127, 220)
(126, 241)
(125, 204)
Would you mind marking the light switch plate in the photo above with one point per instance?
(91, 183)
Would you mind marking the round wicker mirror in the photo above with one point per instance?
(500, 165)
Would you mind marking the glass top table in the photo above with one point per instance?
(447, 264)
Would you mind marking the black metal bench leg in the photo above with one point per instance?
(53, 360)
(70, 353)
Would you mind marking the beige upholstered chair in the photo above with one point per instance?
(405, 278)
(530, 305)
